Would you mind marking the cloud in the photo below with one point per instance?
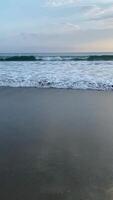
(95, 11)
(98, 17)
(70, 27)
(99, 12)
(57, 3)
(105, 24)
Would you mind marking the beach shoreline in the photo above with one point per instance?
(56, 144)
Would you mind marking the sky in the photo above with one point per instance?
(56, 25)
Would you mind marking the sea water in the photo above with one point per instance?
(74, 71)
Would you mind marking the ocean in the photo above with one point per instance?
(93, 71)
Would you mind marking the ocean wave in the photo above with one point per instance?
(73, 75)
(17, 58)
(58, 58)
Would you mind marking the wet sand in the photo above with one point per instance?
(56, 144)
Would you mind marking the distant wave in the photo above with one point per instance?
(58, 58)
(18, 58)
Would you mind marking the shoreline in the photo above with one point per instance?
(52, 88)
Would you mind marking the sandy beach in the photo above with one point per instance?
(56, 144)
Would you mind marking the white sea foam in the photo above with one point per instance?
(58, 74)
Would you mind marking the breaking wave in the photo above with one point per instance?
(96, 75)
(58, 58)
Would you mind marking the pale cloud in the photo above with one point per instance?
(98, 17)
(96, 12)
(57, 3)
(105, 24)
(71, 27)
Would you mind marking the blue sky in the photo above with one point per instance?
(56, 25)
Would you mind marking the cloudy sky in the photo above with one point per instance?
(56, 25)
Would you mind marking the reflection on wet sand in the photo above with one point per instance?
(56, 144)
